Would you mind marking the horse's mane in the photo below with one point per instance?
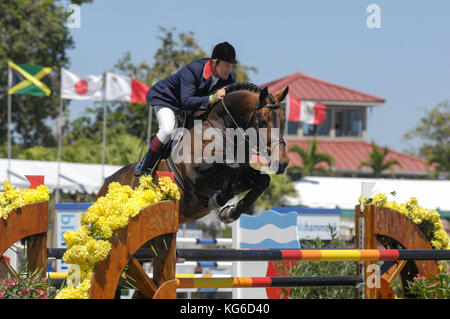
(242, 86)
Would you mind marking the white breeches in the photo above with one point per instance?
(166, 123)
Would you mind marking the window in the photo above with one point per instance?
(349, 122)
(292, 128)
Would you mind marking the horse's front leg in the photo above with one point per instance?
(257, 183)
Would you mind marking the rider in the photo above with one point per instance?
(189, 89)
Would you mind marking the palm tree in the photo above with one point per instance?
(311, 158)
(377, 161)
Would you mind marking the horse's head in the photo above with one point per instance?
(271, 116)
(251, 109)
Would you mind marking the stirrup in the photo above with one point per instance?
(147, 164)
(139, 167)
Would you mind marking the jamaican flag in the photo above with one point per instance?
(29, 79)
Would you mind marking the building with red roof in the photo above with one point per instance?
(343, 135)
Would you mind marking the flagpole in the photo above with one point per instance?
(9, 121)
(149, 125)
(104, 129)
(288, 108)
(60, 138)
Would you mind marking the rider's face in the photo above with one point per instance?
(222, 69)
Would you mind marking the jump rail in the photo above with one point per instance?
(292, 254)
(371, 222)
(253, 282)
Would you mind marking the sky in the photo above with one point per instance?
(405, 61)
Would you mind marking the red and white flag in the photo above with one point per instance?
(308, 112)
(124, 88)
(75, 86)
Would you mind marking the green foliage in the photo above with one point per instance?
(127, 122)
(227, 231)
(439, 156)
(377, 160)
(322, 268)
(24, 285)
(175, 52)
(32, 32)
(40, 153)
(121, 149)
(177, 49)
(434, 132)
(35, 33)
(436, 288)
(311, 158)
(280, 185)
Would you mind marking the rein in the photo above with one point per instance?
(272, 106)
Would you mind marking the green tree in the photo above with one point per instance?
(177, 49)
(433, 131)
(377, 161)
(311, 158)
(280, 186)
(32, 32)
(440, 157)
(126, 121)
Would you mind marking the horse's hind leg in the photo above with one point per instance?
(257, 183)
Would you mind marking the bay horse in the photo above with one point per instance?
(206, 186)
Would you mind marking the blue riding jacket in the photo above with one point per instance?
(187, 89)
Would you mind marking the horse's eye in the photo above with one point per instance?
(262, 123)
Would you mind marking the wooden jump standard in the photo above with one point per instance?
(157, 223)
(161, 219)
(374, 221)
(31, 223)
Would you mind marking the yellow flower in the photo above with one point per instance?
(89, 245)
(12, 199)
(145, 181)
(418, 215)
(442, 267)
(379, 199)
(168, 188)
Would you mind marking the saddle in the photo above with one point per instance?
(183, 120)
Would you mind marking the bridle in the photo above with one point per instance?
(272, 106)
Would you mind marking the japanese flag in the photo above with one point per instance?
(308, 112)
(76, 86)
(124, 88)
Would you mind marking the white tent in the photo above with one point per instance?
(74, 177)
(343, 192)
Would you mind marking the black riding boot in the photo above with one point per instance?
(147, 163)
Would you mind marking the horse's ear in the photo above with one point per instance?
(262, 96)
(280, 96)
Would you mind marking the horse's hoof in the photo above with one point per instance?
(228, 214)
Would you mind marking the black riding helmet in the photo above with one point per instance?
(225, 52)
